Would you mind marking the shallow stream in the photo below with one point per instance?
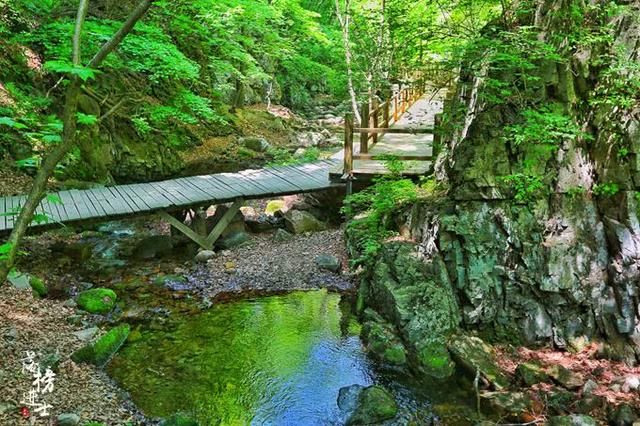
(277, 360)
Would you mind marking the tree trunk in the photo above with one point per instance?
(344, 24)
(69, 127)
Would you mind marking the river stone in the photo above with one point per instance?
(348, 398)
(153, 247)
(511, 405)
(328, 262)
(204, 255)
(566, 377)
(255, 143)
(374, 406)
(306, 139)
(281, 235)
(263, 223)
(104, 348)
(530, 374)
(236, 239)
(170, 280)
(86, 334)
(622, 415)
(38, 286)
(19, 281)
(97, 300)
(474, 355)
(274, 206)
(572, 420)
(299, 222)
(7, 407)
(68, 419)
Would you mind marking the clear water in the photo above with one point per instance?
(276, 360)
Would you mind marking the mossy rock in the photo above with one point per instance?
(530, 374)
(383, 343)
(179, 420)
(274, 206)
(38, 286)
(375, 405)
(104, 348)
(435, 360)
(474, 355)
(97, 300)
(170, 279)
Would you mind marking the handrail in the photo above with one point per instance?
(389, 112)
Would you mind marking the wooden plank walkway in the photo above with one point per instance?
(172, 195)
(415, 150)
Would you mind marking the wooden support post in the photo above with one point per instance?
(180, 226)
(208, 241)
(385, 114)
(437, 124)
(348, 145)
(224, 222)
(376, 114)
(364, 136)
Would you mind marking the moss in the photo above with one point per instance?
(179, 420)
(435, 361)
(273, 206)
(375, 405)
(395, 355)
(97, 300)
(38, 286)
(101, 351)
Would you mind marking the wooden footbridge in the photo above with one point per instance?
(191, 193)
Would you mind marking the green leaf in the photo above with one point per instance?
(6, 121)
(4, 250)
(51, 138)
(40, 218)
(53, 199)
(63, 67)
(87, 119)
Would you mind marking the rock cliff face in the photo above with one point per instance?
(561, 267)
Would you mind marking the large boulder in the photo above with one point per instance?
(97, 300)
(255, 143)
(299, 222)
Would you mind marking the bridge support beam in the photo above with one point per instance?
(206, 242)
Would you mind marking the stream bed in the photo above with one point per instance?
(276, 360)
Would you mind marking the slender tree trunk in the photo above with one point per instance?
(344, 20)
(69, 127)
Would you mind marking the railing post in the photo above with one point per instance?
(385, 114)
(348, 144)
(395, 107)
(364, 135)
(376, 114)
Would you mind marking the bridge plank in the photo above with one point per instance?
(70, 208)
(133, 200)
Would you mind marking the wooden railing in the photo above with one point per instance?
(377, 120)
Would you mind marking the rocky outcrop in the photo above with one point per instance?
(551, 255)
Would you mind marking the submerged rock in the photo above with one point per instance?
(104, 348)
(348, 398)
(97, 300)
(299, 222)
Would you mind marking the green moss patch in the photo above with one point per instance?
(97, 300)
(101, 351)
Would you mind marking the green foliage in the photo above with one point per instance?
(526, 187)
(543, 125)
(65, 67)
(284, 157)
(371, 210)
(5, 248)
(608, 189)
(576, 191)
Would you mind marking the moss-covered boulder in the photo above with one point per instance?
(374, 406)
(38, 286)
(274, 206)
(100, 352)
(97, 300)
(299, 222)
(475, 355)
